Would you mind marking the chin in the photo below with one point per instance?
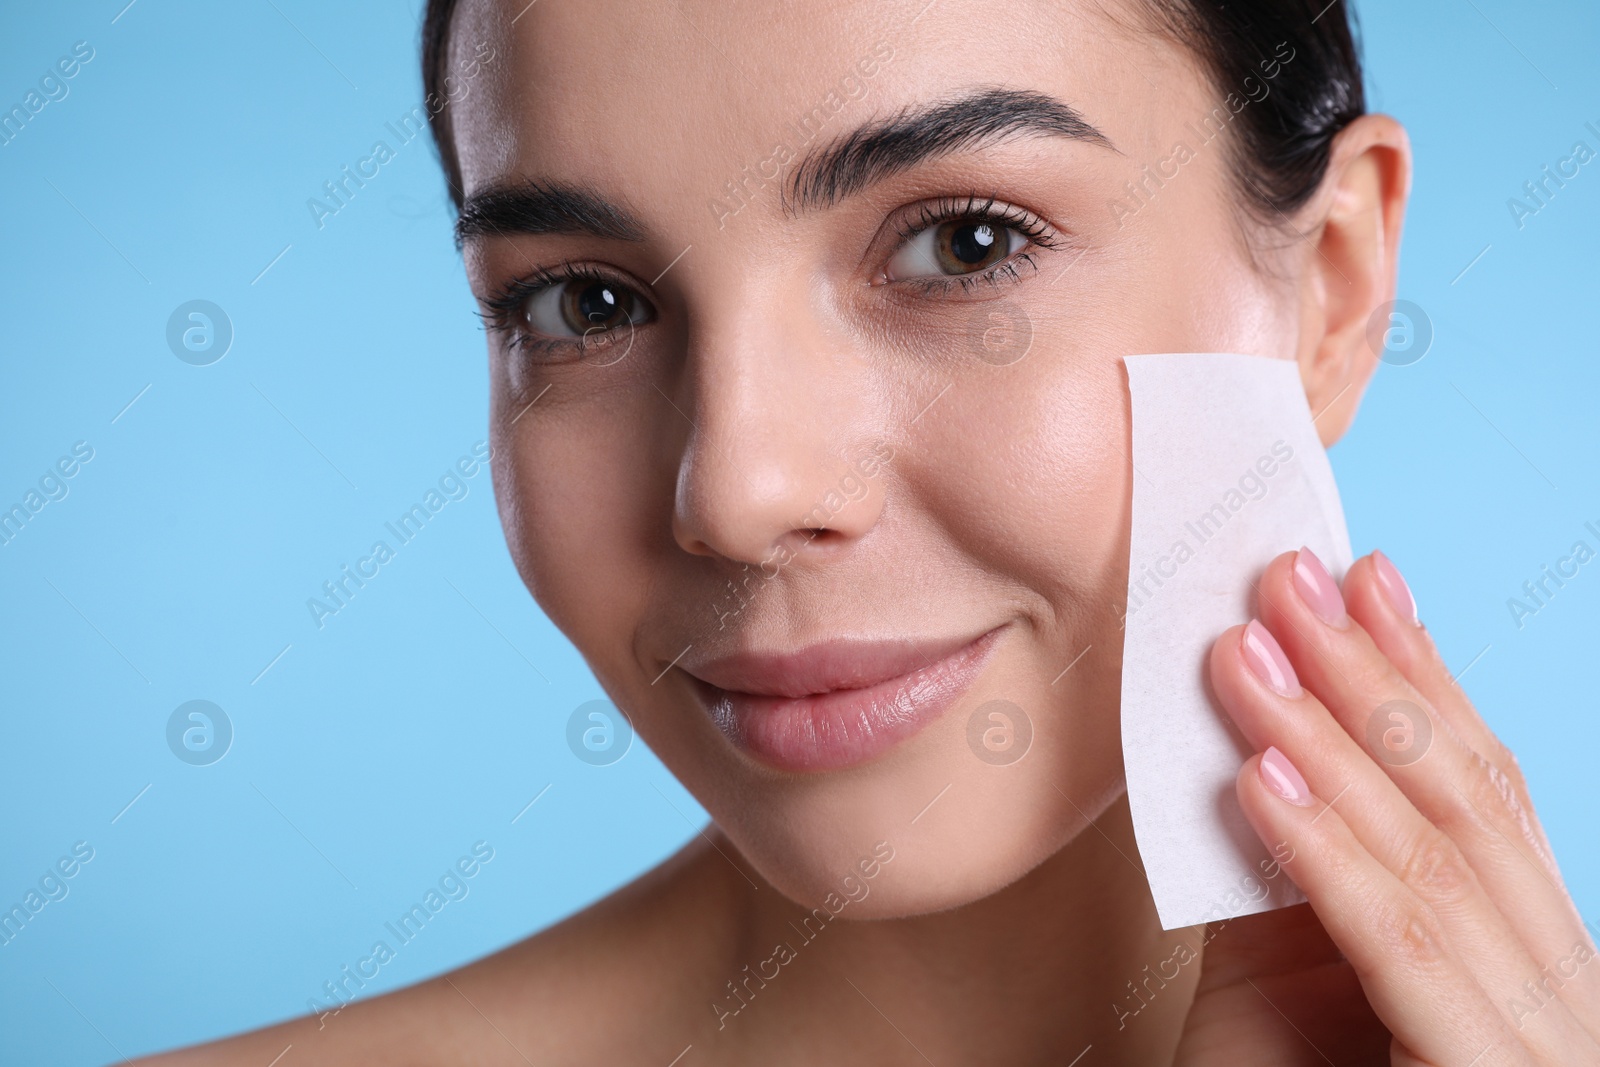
(955, 829)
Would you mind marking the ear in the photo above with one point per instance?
(1352, 226)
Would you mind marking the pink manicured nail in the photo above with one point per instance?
(1316, 587)
(1267, 660)
(1395, 587)
(1281, 777)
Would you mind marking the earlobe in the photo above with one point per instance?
(1353, 236)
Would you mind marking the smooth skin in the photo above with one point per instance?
(636, 482)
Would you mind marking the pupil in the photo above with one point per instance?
(973, 243)
(597, 304)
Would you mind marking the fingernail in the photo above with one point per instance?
(1281, 777)
(1395, 587)
(1317, 588)
(1267, 660)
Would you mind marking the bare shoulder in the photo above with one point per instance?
(620, 979)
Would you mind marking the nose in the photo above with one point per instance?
(782, 459)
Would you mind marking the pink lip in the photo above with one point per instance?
(838, 703)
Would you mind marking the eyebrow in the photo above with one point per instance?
(917, 135)
(871, 153)
(532, 207)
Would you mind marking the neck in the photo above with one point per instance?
(1070, 956)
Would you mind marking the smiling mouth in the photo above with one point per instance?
(839, 703)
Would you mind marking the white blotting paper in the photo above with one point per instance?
(1227, 474)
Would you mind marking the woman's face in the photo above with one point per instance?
(843, 457)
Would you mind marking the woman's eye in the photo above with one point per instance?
(959, 246)
(583, 307)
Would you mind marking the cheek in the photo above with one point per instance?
(575, 513)
(1027, 472)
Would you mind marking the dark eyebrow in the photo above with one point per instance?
(532, 207)
(915, 135)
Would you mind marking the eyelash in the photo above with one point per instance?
(930, 213)
(504, 308)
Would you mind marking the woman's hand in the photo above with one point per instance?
(1441, 932)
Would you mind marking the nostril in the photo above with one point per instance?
(819, 537)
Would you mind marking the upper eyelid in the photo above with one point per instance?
(938, 210)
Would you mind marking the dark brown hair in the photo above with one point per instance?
(1282, 139)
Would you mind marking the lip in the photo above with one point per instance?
(838, 703)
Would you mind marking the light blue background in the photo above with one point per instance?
(429, 712)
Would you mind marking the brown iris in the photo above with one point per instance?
(962, 246)
(589, 306)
